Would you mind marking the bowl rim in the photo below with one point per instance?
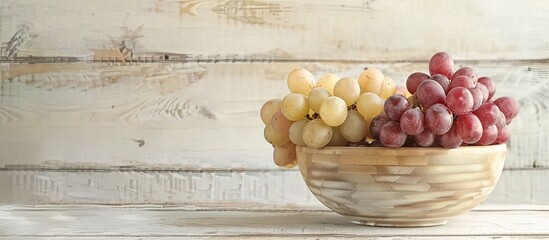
(405, 151)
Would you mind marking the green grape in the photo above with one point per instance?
(328, 82)
(268, 110)
(337, 138)
(275, 137)
(348, 90)
(369, 105)
(317, 134)
(285, 155)
(388, 88)
(316, 96)
(371, 80)
(353, 129)
(300, 81)
(333, 111)
(296, 132)
(295, 106)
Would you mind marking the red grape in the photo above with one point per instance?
(508, 106)
(488, 114)
(451, 139)
(411, 121)
(462, 81)
(459, 100)
(414, 80)
(377, 123)
(502, 121)
(280, 122)
(395, 106)
(438, 119)
(441, 63)
(430, 92)
(489, 84)
(489, 135)
(442, 80)
(477, 97)
(503, 135)
(469, 128)
(484, 91)
(391, 135)
(465, 71)
(425, 138)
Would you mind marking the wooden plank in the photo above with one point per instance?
(282, 29)
(153, 116)
(237, 188)
(156, 223)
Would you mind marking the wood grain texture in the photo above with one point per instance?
(166, 223)
(357, 29)
(196, 116)
(239, 188)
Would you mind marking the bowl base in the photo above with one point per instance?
(398, 222)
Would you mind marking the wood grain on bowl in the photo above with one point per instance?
(401, 187)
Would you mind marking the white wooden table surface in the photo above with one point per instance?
(128, 222)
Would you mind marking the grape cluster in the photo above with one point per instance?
(333, 111)
(443, 108)
(448, 108)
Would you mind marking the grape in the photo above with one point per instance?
(502, 121)
(489, 135)
(275, 137)
(281, 123)
(388, 88)
(465, 71)
(462, 81)
(503, 135)
(477, 97)
(442, 80)
(395, 106)
(300, 81)
(348, 90)
(469, 128)
(425, 138)
(489, 84)
(353, 128)
(333, 111)
(451, 139)
(295, 106)
(484, 91)
(412, 100)
(368, 124)
(414, 80)
(285, 155)
(402, 91)
(337, 138)
(317, 134)
(441, 63)
(369, 105)
(268, 110)
(377, 123)
(508, 106)
(391, 135)
(327, 82)
(371, 80)
(296, 132)
(316, 96)
(430, 92)
(412, 121)
(438, 119)
(459, 100)
(488, 114)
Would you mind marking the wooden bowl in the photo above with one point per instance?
(404, 187)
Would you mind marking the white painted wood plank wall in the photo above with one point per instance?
(194, 104)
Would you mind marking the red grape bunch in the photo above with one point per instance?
(447, 109)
